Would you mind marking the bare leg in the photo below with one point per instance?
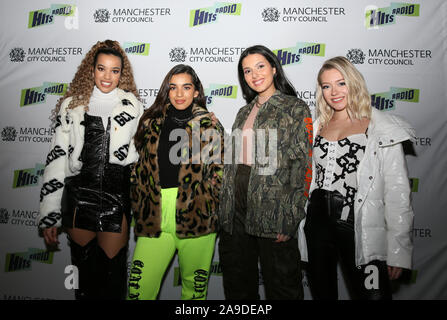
(81, 236)
(112, 242)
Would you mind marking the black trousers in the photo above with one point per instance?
(331, 240)
(240, 254)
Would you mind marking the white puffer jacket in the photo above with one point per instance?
(383, 215)
(66, 147)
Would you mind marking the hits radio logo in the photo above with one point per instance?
(294, 55)
(387, 100)
(379, 17)
(38, 95)
(198, 17)
(21, 261)
(28, 177)
(220, 90)
(136, 48)
(45, 17)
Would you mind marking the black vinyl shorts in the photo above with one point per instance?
(93, 209)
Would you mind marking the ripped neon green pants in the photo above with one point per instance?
(152, 256)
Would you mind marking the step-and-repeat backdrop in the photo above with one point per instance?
(400, 47)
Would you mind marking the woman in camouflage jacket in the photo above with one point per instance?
(263, 196)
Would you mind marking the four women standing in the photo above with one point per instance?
(359, 210)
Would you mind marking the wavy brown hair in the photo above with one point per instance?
(81, 87)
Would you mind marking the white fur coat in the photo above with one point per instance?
(63, 158)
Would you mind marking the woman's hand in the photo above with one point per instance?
(213, 118)
(282, 238)
(214, 179)
(394, 272)
(50, 236)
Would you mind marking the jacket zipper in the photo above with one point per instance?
(101, 167)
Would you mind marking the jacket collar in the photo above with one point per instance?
(124, 97)
(387, 128)
(196, 110)
(275, 100)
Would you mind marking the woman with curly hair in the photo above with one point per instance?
(86, 180)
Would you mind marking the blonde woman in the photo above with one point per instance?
(87, 176)
(359, 212)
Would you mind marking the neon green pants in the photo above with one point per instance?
(152, 257)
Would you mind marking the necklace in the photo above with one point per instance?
(258, 104)
(180, 122)
(180, 117)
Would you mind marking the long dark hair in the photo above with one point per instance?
(280, 80)
(157, 109)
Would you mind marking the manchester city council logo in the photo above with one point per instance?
(270, 15)
(4, 216)
(356, 56)
(102, 15)
(177, 55)
(17, 55)
(9, 134)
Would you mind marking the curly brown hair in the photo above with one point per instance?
(81, 87)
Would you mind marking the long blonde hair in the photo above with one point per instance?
(359, 100)
(81, 87)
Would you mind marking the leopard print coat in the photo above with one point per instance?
(197, 198)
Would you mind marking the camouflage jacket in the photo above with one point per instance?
(275, 198)
(198, 197)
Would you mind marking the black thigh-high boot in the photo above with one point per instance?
(84, 258)
(112, 275)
